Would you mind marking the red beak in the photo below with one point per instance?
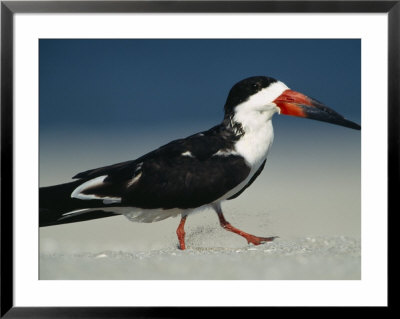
(297, 104)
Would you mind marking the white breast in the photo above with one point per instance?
(255, 144)
(254, 147)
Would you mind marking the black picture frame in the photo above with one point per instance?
(9, 8)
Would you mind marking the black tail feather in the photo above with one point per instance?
(54, 201)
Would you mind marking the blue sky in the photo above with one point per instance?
(106, 101)
(114, 84)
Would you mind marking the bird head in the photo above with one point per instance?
(267, 96)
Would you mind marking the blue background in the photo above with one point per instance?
(130, 83)
(105, 101)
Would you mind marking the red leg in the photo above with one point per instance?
(181, 233)
(250, 238)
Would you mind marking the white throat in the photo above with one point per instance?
(255, 144)
(255, 117)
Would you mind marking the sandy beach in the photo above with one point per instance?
(311, 244)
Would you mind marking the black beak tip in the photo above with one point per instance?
(322, 113)
(351, 124)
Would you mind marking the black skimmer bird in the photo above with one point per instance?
(198, 171)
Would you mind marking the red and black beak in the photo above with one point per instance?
(297, 104)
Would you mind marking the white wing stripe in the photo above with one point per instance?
(134, 180)
(225, 153)
(187, 153)
(78, 192)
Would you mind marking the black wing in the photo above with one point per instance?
(252, 179)
(185, 182)
(185, 173)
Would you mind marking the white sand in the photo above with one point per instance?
(114, 248)
(300, 258)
